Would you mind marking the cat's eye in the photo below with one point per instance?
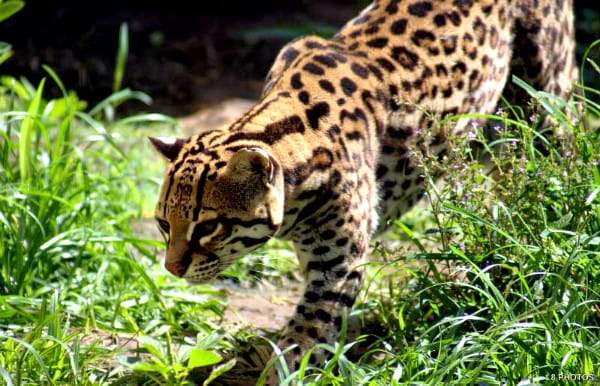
(205, 228)
(164, 226)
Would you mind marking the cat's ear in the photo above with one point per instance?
(253, 161)
(167, 146)
(262, 179)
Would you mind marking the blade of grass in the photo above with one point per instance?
(63, 133)
(410, 235)
(487, 223)
(117, 98)
(27, 127)
(121, 60)
(586, 59)
(5, 52)
(147, 118)
(6, 376)
(9, 8)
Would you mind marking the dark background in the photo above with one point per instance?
(185, 55)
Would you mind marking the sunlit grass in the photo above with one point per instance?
(72, 272)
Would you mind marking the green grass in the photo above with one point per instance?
(72, 274)
(495, 279)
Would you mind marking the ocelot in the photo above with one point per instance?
(324, 160)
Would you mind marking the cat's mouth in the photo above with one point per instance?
(196, 268)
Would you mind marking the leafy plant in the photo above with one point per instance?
(508, 291)
(7, 9)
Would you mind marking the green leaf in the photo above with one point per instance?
(202, 358)
(121, 60)
(10, 8)
(410, 235)
(153, 346)
(5, 51)
(16, 86)
(150, 367)
(219, 370)
(119, 97)
(6, 376)
(26, 131)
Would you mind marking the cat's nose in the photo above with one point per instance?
(178, 260)
(177, 269)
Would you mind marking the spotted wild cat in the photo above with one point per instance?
(323, 158)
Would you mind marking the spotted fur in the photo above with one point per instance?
(323, 158)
